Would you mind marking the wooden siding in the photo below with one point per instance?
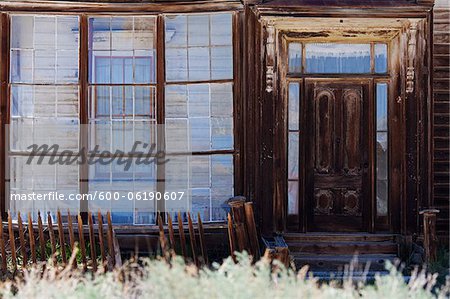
(441, 114)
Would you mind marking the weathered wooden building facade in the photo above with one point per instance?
(331, 116)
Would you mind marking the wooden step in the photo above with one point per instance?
(329, 237)
(385, 247)
(341, 263)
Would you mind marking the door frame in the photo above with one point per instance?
(409, 166)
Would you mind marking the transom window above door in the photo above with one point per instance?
(338, 58)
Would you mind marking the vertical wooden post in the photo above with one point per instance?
(252, 233)
(100, 238)
(231, 237)
(110, 236)
(201, 236)
(192, 238)
(162, 237)
(23, 248)
(12, 242)
(92, 241)
(238, 212)
(62, 242)
(171, 233)
(182, 236)
(51, 234)
(41, 238)
(429, 234)
(2, 247)
(82, 244)
(71, 233)
(32, 240)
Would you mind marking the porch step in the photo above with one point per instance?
(340, 263)
(335, 252)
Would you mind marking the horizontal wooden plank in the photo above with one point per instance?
(441, 37)
(441, 74)
(440, 14)
(442, 119)
(441, 107)
(441, 190)
(344, 248)
(441, 60)
(441, 132)
(441, 48)
(441, 96)
(442, 85)
(441, 144)
(441, 27)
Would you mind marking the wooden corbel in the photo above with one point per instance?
(412, 45)
(270, 55)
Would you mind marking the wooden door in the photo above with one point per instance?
(337, 189)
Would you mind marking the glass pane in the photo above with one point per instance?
(176, 31)
(293, 156)
(295, 58)
(337, 58)
(199, 68)
(381, 60)
(221, 185)
(382, 106)
(176, 101)
(122, 33)
(221, 100)
(382, 173)
(221, 29)
(200, 134)
(176, 64)
(198, 33)
(293, 197)
(221, 63)
(23, 32)
(198, 100)
(294, 106)
(222, 133)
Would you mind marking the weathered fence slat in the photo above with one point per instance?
(171, 232)
(201, 236)
(162, 237)
(238, 212)
(252, 233)
(31, 237)
(82, 244)
(182, 236)
(62, 241)
(110, 236)
(51, 234)
(71, 237)
(3, 249)
(100, 239)
(23, 248)
(92, 242)
(231, 237)
(41, 238)
(192, 239)
(12, 242)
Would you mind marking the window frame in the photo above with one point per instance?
(159, 83)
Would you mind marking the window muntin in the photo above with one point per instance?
(337, 58)
(44, 106)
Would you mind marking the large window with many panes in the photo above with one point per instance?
(157, 79)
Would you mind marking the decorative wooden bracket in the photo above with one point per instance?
(412, 45)
(270, 56)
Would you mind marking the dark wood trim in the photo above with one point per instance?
(4, 106)
(238, 126)
(84, 107)
(104, 7)
(160, 106)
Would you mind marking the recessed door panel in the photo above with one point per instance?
(337, 154)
